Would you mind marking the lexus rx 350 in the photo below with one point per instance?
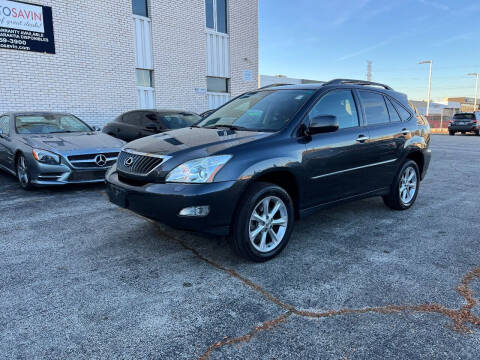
(271, 156)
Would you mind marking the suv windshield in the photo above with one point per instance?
(464, 116)
(48, 124)
(267, 110)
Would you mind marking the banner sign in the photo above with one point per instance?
(26, 27)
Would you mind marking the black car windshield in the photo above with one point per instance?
(464, 116)
(49, 124)
(179, 120)
(267, 110)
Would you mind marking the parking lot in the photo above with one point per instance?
(81, 278)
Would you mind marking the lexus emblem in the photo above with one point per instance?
(101, 160)
(128, 161)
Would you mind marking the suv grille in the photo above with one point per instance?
(137, 163)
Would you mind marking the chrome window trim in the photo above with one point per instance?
(355, 168)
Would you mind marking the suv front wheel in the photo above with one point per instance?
(263, 223)
(405, 187)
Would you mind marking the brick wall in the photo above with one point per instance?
(243, 15)
(92, 74)
(179, 50)
(179, 53)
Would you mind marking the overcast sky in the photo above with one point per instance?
(326, 39)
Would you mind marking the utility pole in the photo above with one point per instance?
(369, 71)
(476, 90)
(429, 83)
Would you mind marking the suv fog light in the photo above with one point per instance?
(195, 211)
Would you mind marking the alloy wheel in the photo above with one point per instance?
(22, 171)
(408, 185)
(268, 224)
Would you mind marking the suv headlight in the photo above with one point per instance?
(46, 157)
(201, 170)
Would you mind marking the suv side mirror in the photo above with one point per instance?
(96, 128)
(323, 124)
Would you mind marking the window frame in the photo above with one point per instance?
(215, 18)
(387, 98)
(227, 80)
(307, 120)
(150, 72)
(396, 104)
(365, 118)
(9, 126)
(147, 8)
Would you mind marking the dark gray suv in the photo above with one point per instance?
(270, 156)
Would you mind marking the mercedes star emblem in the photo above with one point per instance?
(101, 160)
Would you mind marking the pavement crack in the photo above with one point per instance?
(265, 326)
(461, 318)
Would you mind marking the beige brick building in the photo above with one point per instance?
(112, 56)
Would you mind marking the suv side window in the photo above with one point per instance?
(404, 114)
(394, 117)
(375, 108)
(339, 103)
(5, 125)
(150, 118)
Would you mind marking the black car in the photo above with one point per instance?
(136, 124)
(273, 155)
(464, 122)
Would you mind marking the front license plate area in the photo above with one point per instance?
(118, 196)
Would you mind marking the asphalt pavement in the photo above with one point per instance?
(82, 279)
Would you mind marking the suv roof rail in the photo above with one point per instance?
(274, 85)
(357, 82)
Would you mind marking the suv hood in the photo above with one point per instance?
(73, 142)
(200, 142)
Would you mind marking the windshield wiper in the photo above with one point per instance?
(231, 127)
(60, 132)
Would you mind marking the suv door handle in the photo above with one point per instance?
(405, 131)
(362, 138)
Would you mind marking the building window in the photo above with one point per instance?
(216, 15)
(144, 78)
(140, 7)
(217, 85)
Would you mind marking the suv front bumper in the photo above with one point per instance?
(163, 202)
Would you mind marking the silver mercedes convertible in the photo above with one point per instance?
(42, 148)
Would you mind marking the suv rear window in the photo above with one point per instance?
(464, 116)
(375, 108)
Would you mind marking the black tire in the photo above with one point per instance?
(250, 202)
(394, 200)
(451, 133)
(477, 132)
(23, 174)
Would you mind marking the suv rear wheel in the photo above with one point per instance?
(451, 133)
(264, 222)
(405, 187)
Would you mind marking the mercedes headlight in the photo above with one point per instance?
(46, 157)
(201, 170)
